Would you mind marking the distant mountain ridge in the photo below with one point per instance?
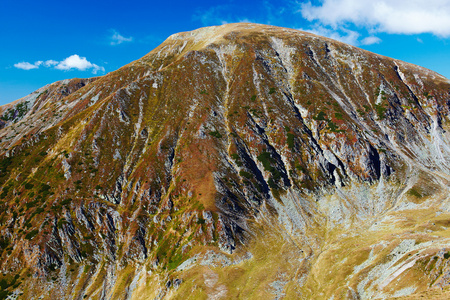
(237, 161)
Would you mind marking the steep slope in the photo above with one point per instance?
(238, 161)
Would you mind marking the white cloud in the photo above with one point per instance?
(71, 62)
(79, 63)
(26, 66)
(245, 20)
(221, 15)
(390, 16)
(348, 37)
(117, 38)
(343, 35)
(214, 15)
(50, 63)
(370, 40)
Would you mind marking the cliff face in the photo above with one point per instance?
(239, 161)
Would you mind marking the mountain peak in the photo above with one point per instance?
(229, 34)
(225, 29)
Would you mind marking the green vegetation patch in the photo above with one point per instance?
(236, 159)
(15, 113)
(215, 134)
(321, 116)
(266, 159)
(366, 107)
(4, 242)
(246, 174)
(6, 285)
(66, 202)
(44, 190)
(61, 223)
(380, 109)
(290, 140)
(234, 156)
(426, 94)
(174, 261)
(333, 127)
(31, 204)
(31, 234)
(415, 192)
(338, 116)
(4, 164)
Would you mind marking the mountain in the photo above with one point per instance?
(240, 161)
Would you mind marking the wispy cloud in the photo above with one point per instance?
(70, 63)
(222, 14)
(370, 40)
(50, 63)
(399, 16)
(346, 36)
(214, 15)
(117, 38)
(26, 65)
(343, 35)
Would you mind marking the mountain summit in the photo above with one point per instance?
(240, 161)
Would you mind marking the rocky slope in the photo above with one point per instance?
(239, 162)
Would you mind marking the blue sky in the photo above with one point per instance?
(45, 41)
